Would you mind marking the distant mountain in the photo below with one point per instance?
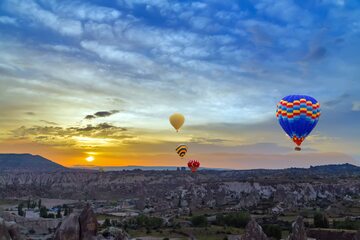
(321, 169)
(143, 168)
(27, 162)
(120, 168)
(335, 168)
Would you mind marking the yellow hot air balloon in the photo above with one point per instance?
(177, 120)
(181, 150)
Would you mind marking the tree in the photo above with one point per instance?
(28, 203)
(39, 203)
(199, 221)
(20, 209)
(239, 219)
(220, 219)
(321, 220)
(273, 231)
(107, 223)
(190, 213)
(43, 212)
(66, 211)
(58, 214)
(114, 223)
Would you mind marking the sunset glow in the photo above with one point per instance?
(90, 158)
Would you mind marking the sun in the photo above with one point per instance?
(90, 158)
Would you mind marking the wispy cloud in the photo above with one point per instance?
(49, 122)
(356, 106)
(34, 12)
(85, 137)
(8, 20)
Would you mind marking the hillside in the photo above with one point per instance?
(27, 162)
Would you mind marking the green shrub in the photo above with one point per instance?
(321, 220)
(199, 221)
(239, 219)
(347, 224)
(273, 231)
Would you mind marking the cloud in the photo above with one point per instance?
(34, 12)
(49, 122)
(356, 106)
(8, 20)
(89, 117)
(99, 127)
(62, 48)
(103, 134)
(105, 113)
(115, 54)
(287, 11)
(86, 11)
(336, 101)
(101, 114)
(339, 3)
(204, 140)
(316, 53)
(30, 113)
(273, 161)
(260, 36)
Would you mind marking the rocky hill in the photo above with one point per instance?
(28, 163)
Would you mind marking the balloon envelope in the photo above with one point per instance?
(193, 165)
(177, 120)
(181, 150)
(298, 116)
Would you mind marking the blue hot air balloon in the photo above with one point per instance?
(298, 116)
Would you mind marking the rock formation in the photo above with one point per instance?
(88, 223)
(78, 227)
(69, 229)
(254, 231)
(4, 233)
(298, 230)
(167, 191)
(9, 231)
(118, 234)
(326, 234)
(357, 236)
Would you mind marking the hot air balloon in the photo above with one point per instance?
(298, 116)
(177, 120)
(193, 165)
(181, 150)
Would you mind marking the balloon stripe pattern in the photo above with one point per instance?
(298, 116)
(181, 150)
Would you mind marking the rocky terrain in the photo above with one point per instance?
(174, 197)
(169, 190)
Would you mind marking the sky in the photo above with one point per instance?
(100, 78)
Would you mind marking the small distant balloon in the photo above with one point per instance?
(177, 120)
(298, 116)
(181, 150)
(193, 165)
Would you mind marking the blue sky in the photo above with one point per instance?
(223, 64)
